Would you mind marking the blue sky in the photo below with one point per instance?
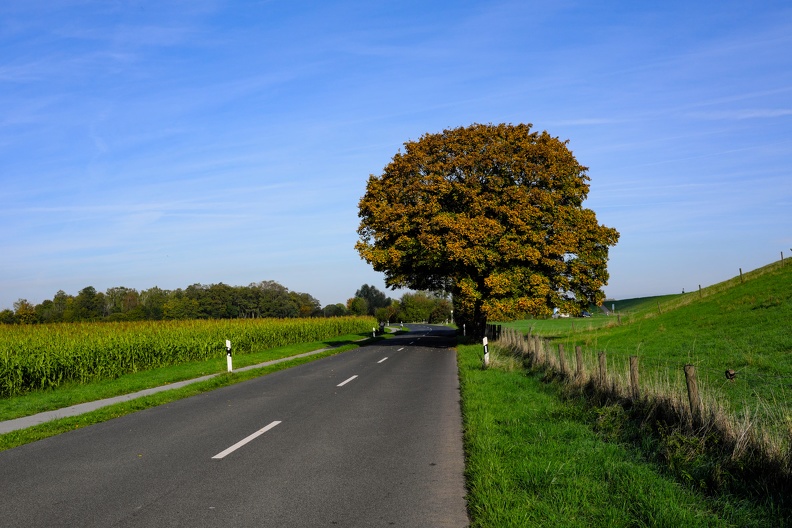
(170, 143)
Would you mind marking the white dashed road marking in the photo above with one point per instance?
(244, 441)
(346, 381)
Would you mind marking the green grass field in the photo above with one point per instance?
(740, 326)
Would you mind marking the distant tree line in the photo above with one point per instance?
(221, 301)
(431, 307)
(198, 301)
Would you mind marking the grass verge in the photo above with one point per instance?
(535, 460)
(139, 381)
(74, 393)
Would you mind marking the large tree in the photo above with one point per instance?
(493, 213)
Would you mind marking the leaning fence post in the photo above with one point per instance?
(578, 362)
(693, 394)
(634, 377)
(603, 368)
(562, 359)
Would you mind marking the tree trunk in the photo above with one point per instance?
(474, 320)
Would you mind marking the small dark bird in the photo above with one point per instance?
(730, 375)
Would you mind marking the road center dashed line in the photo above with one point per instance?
(245, 440)
(402, 348)
(346, 381)
(381, 360)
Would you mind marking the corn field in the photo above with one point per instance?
(36, 357)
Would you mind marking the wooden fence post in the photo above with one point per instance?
(693, 394)
(539, 347)
(562, 359)
(741, 277)
(634, 378)
(603, 369)
(578, 362)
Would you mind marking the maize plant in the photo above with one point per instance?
(40, 357)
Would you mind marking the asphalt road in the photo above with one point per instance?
(370, 437)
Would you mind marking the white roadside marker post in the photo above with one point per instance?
(228, 355)
(486, 353)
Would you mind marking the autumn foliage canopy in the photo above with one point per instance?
(492, 213)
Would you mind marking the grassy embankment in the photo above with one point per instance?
(741, 325)
(740, 455)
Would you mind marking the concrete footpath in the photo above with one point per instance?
(75, 410)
